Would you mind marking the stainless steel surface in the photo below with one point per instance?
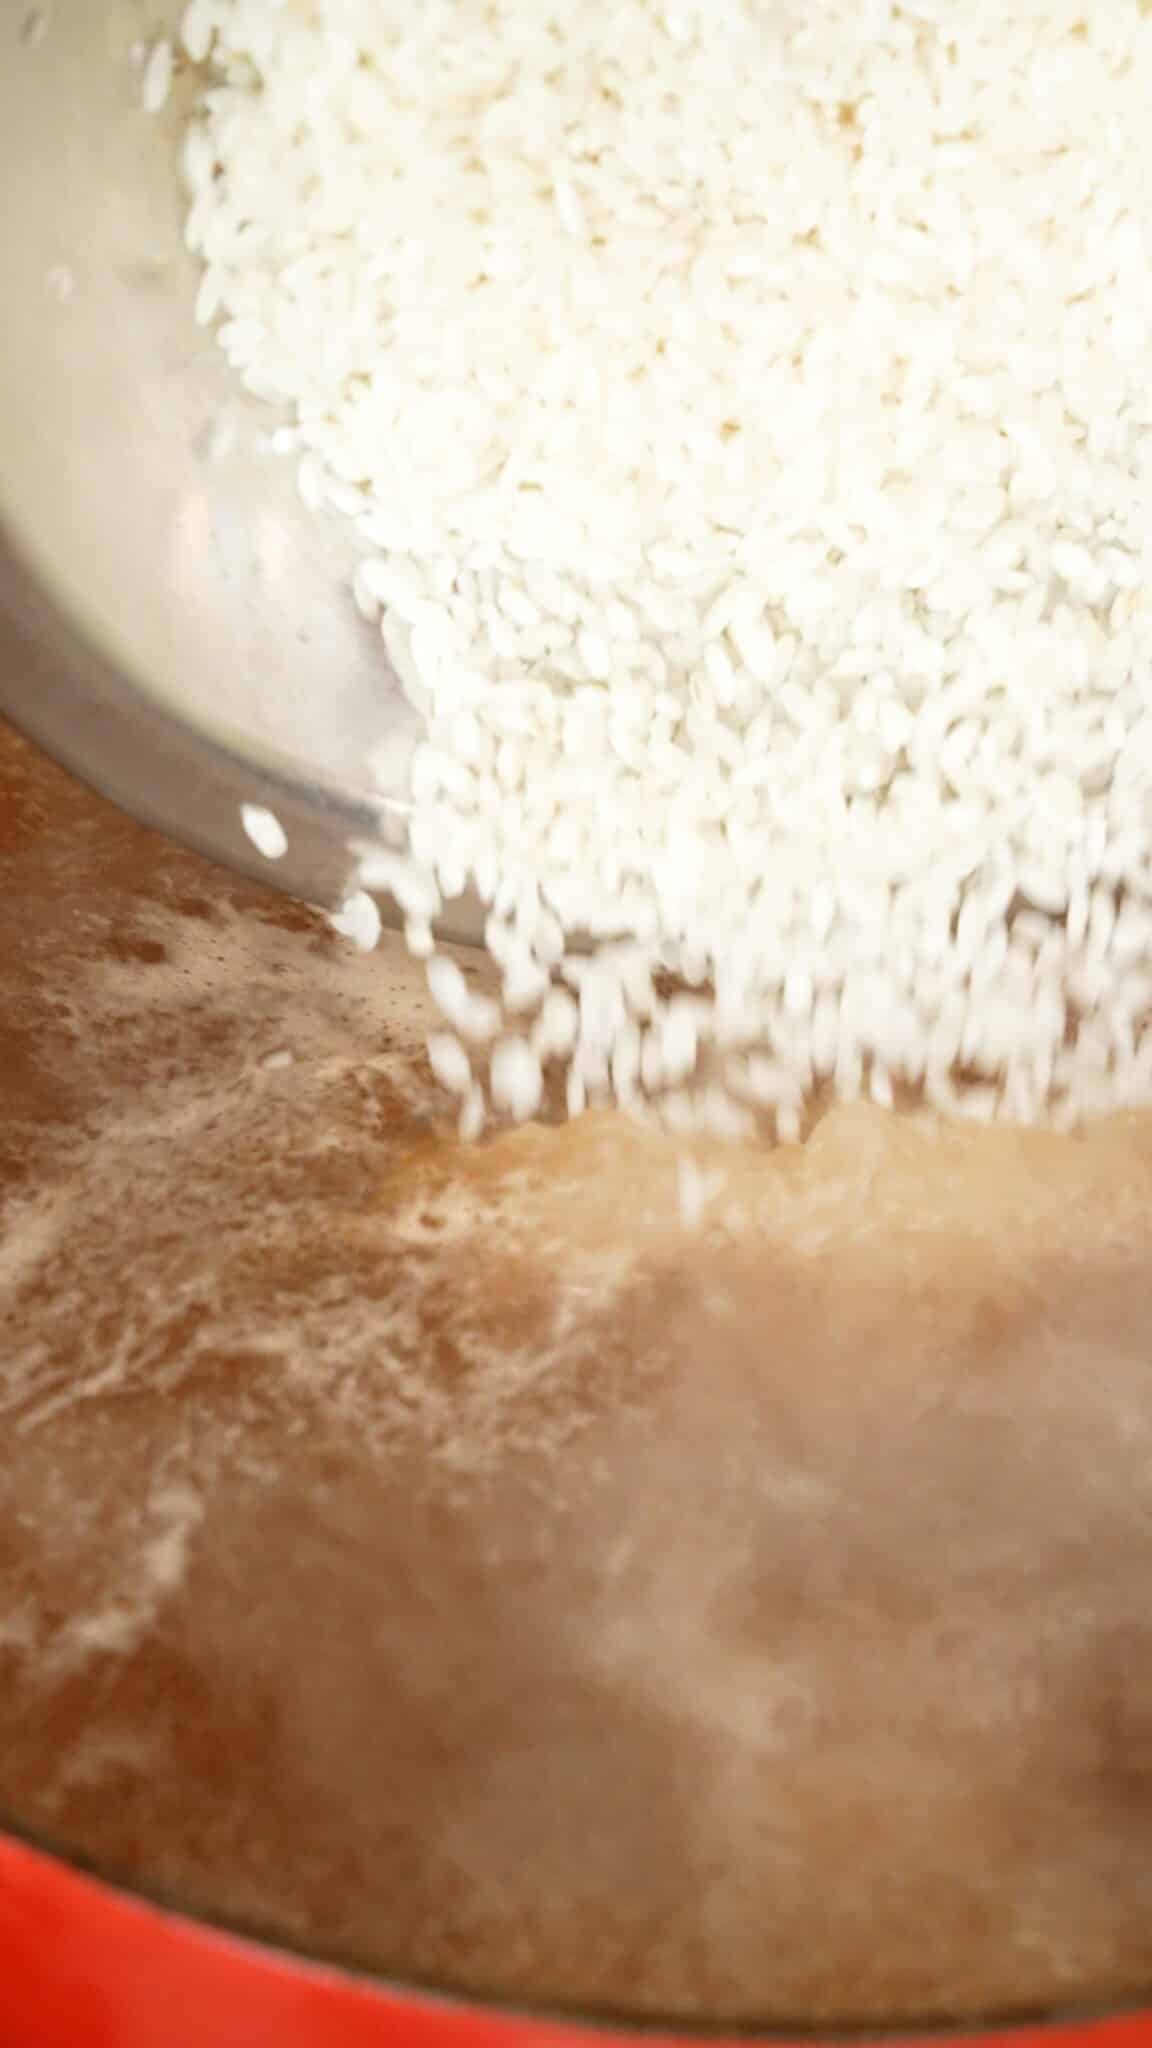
(182, 630)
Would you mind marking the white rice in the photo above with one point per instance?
(156, 82)
(695, 1188)
(358, 919)
(450, 1063)
(265, 831)
(516, 1079)
(746, 414)
(473, 1116)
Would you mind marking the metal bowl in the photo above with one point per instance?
(184, 634)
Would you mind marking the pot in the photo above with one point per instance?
(433, 1567)
(90, 1965)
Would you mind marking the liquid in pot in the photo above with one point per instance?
(444, 1561)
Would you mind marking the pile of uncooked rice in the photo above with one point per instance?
(746, 406)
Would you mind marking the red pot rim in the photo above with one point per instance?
(89, 1963)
